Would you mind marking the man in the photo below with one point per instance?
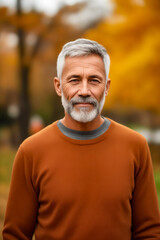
(84, 177)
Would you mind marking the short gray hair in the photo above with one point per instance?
(82, 47)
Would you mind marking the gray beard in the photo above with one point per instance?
(84, 114)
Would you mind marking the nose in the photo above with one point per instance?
(84, 89)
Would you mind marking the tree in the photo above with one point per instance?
(24, 76)
(132, 38)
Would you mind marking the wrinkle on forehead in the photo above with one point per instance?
(90, 65)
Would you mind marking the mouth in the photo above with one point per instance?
(87, 107)
(84, 104)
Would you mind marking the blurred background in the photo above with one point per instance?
(32, 33)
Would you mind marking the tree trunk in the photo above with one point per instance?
(24, 104)
(24, 82)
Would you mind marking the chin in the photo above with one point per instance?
(84, 116)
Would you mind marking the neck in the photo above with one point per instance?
(69, 122)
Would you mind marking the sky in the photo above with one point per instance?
(50, 7)
(92, 13)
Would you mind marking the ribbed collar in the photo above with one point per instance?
(84, 135)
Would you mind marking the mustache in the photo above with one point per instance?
(89, 100)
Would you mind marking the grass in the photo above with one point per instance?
(157, 181)
(6, 160)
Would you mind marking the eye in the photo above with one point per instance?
(94, 80)
(74, 80)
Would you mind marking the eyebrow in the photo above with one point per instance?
(78, 76)
(95, 76)
(73, 76)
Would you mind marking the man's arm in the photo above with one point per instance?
(21, 212)
(145, 210)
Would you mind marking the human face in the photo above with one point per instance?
(83, 87)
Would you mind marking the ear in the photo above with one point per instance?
(107, 86)
(57, 85)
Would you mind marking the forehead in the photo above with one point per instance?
(89, 63)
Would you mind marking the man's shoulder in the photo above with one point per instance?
(41, 138)
(125, 133)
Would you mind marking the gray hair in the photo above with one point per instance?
(82, 47)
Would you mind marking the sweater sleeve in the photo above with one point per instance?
(145, 210)
(21, 211)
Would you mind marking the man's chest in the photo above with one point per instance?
(101, 178)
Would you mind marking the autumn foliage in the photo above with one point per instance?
(132, 37)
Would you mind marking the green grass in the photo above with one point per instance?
(6, 161)
(157, 181)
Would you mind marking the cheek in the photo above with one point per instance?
(99, 94)
(69, 92)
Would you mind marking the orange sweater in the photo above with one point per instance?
(99, 189)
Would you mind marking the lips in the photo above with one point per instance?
(83, 103)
